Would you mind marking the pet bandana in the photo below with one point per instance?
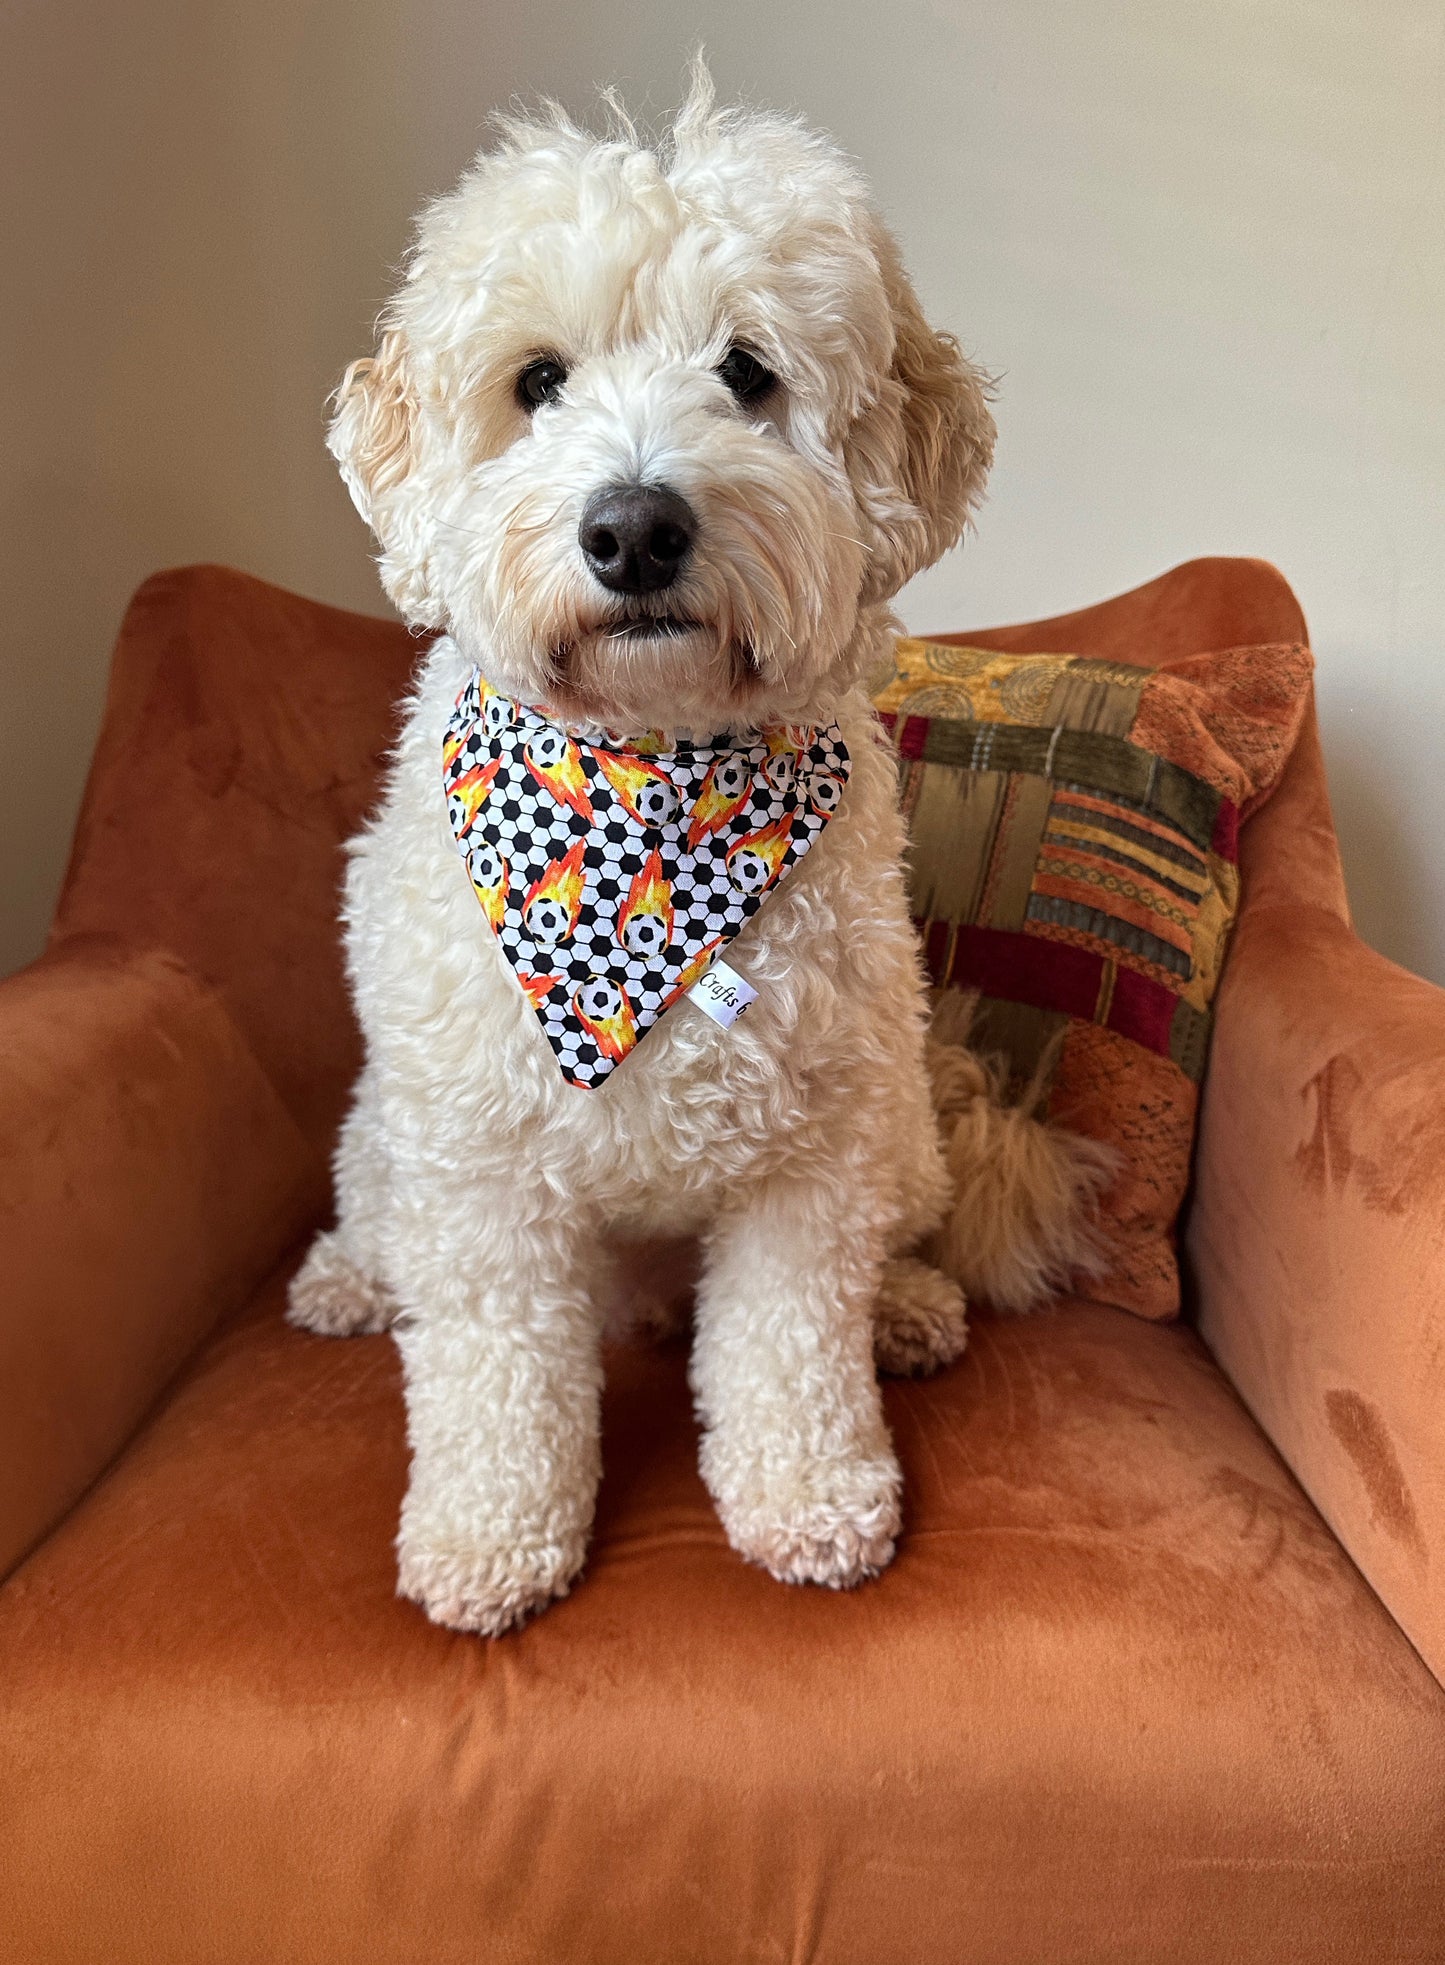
(613, 872)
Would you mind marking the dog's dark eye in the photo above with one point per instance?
(540, 382)
(745, 375)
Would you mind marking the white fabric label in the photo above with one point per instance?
(723, 994)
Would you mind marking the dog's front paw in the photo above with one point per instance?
(471, 1586)
(920, 1321)
(331, 1296)
(837, 1526)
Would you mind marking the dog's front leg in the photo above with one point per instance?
(795, 1449)
(500, 1345)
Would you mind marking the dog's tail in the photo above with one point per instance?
(1024, 1220)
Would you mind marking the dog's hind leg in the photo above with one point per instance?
(920, 1318)
(339, 1290)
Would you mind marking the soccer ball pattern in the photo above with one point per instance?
(547, 921)
(645, 935)
(657, 803)
(573, 917)
(599, 999)
(484, 862)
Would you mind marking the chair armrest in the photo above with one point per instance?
(149, 1177)
(1316, 1238)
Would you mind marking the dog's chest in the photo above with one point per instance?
(673, 1132)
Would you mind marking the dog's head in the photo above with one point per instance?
(645, 429)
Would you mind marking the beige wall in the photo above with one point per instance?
(1206, 246)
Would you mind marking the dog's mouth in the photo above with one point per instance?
(746, 670)
(569, 665)
(651, 627)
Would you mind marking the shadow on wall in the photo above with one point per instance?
(1390, 883)
(52, 677)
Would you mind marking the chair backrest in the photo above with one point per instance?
(245, 731)
(244, 734)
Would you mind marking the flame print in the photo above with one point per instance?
(468, 794)
(490, 880)
(755, 862)
(651, 742)
(724, 793)
(606, 1015)
(694, 972)
(556, 763)
(644, 922)
(647, 794)
(537, 988)
(554, 901)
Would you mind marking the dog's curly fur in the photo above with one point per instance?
(480, 1196)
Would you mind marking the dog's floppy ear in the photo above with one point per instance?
(920, 455)
(374, 437)
(374, 425)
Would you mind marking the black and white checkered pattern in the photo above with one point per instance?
(516, 822)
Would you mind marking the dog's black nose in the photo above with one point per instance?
(635, 537)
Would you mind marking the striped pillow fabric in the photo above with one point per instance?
(1074, 861)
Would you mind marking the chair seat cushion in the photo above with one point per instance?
(1121, 1695)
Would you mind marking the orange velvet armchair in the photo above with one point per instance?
(1151, 1678)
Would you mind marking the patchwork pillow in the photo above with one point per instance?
(1074, 832)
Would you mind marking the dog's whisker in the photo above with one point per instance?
(543, 524)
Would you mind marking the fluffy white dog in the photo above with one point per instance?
(652, 437)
